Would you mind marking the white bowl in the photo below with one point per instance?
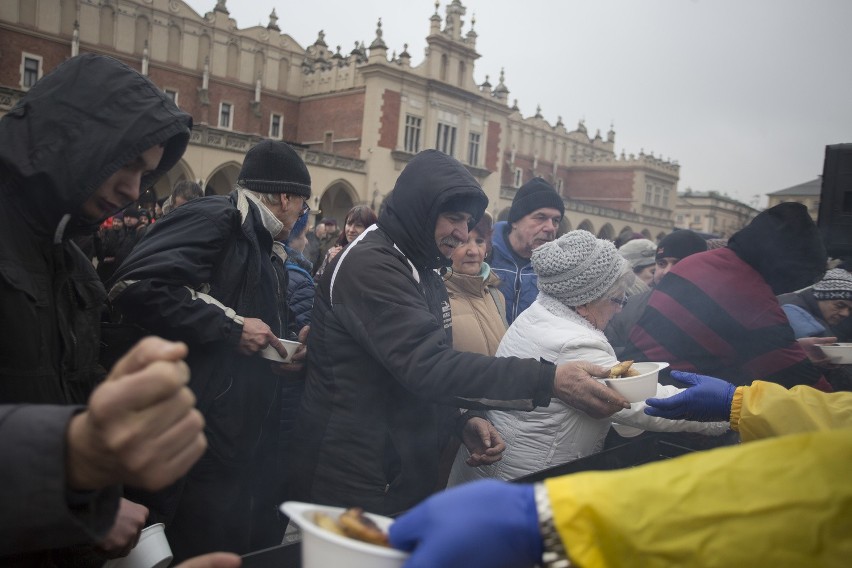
(323, 549)
(152, 551)
(270, 353)
(838, 353)
(640, 387)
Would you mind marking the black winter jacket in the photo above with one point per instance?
(197, 273)
(383, 380)
(55, 152)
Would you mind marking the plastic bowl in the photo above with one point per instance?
(322, 548)
(270, 353)
(152, 551)
(640, 387)
(838, 353)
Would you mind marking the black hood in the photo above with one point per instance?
(427, 184)
(76, 127)
(784, 246)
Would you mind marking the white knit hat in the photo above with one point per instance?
(577, 268)
(835, 285)
(639, 253)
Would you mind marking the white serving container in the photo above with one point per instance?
(152, 551)
(270, 353)
(322, 548)
(640, 387)
(838, 353)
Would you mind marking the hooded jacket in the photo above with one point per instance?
(55, 152)
(717, 313)
(383, 382)
(71, 131)
(519, 284)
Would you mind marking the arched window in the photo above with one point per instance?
(233, 61)
(106, 33)
(174, 45)
(142, 29)
(203, 50)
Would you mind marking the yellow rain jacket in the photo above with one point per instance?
(777, 502)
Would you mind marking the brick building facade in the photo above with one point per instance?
(356, 117)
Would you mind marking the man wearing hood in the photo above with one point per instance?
(383, 381)
(717, 313)
(63, 170)
(210, 275)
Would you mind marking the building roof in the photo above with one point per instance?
(812, 187)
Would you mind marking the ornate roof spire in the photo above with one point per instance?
(321, 39)
(273, 21)
(501, 89)
(538, 111)
(378, 43)
(220, 7)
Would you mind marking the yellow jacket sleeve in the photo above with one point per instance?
(781, 502)
(768, 409)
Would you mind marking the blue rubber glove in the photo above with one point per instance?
(707, 399)
(484, 524)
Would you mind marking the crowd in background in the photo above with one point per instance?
(376, 363)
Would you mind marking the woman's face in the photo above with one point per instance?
(467, 259)
(599, 312)
(646, 274)
(353, 228)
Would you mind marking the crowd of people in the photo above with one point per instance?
(435, 348)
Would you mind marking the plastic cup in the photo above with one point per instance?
(270, 353)
(152, 551)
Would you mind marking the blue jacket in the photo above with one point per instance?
(300, 287)
(519, 284)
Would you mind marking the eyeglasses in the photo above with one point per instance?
(621, 302)
(305, 208)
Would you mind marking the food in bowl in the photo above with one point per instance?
(353, 523)
(623, 369)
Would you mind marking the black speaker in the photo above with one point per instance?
(835, 204)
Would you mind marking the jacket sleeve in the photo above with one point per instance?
(635, 416)
(163, 284)
(745, 505)
(383, 308)
(766, 409)
(803, 323)
(300, 297)
(38, 510)
(716, 508)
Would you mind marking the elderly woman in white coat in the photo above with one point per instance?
(582, 282)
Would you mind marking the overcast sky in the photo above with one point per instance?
(744, 94)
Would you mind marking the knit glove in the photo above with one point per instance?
(707, 399)
(484, 524)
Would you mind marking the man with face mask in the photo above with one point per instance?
(211, 275)
(62, 172)
(384, 383)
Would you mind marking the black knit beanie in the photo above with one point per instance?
(274, 167)
(533, 195)
(680, 245)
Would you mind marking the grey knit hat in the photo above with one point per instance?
(835, 285)
(577, 268)
(639, 253)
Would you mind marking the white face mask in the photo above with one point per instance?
(270, 221)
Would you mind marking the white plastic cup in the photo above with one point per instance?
(152, 551)
(270, 353)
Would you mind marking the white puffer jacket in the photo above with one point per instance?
(556, 434)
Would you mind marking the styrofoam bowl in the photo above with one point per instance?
(322, 548)
(640, 387)
(270, 353)
(838, 353)
(152, 551)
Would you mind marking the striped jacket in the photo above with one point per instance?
(715, 314)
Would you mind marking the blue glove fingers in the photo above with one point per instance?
(406, 531)
(485, 524)
(687, 377)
